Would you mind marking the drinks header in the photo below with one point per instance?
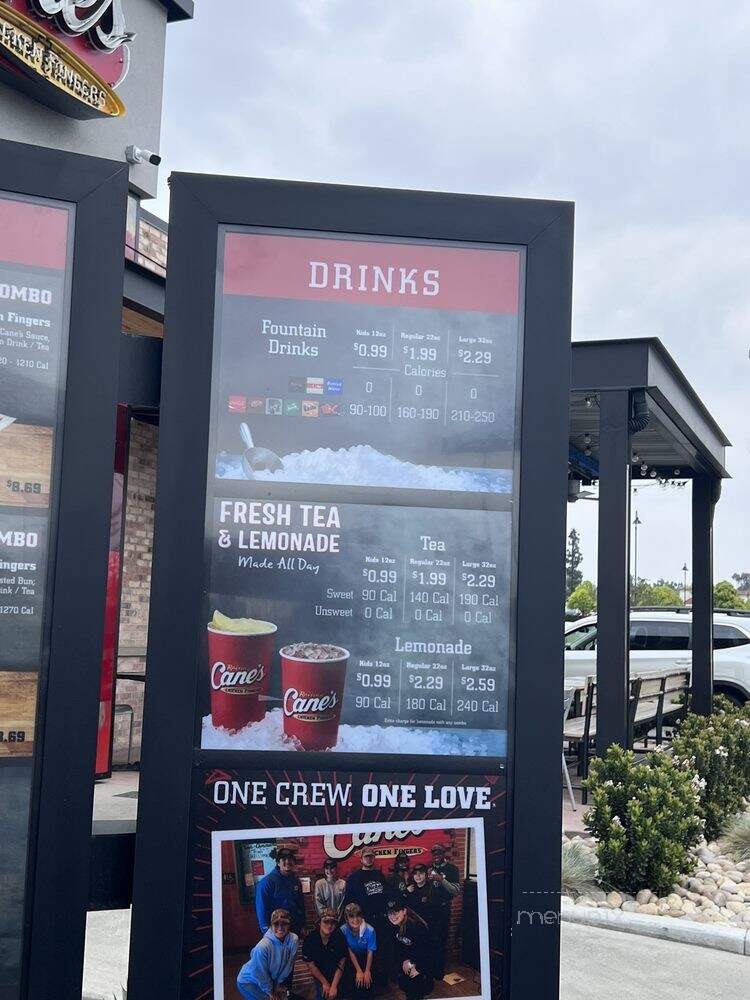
(421, 276)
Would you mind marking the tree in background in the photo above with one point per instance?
(725, 596)
(573, 559)
(660, 595)
(742, 580)
(583, 598)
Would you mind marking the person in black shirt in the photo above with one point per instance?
(326, 953)
(421, 896)
(398, 883)
(412, 950)
(368, 888)
(446, 885)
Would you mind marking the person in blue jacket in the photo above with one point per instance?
(280, 889)
(269, 971)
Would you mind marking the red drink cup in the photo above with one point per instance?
(239, 669)
(313, 676)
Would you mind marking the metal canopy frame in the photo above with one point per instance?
(199, 205)
(643, 364)
(629, 397)
(57, 887)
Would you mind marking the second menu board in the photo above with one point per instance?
(366, 368)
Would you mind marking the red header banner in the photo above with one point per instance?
(33, 235)
(404, 275)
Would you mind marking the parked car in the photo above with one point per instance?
(660, 640)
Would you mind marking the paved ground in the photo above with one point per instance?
(117, 797)
(600, 963)
(595, 964)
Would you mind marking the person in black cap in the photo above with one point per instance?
(412, 951)
(421, 895)
(281, 889)
(398, 883)
(326, 952)
(446, 885)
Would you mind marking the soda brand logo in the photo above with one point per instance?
(224, 676)
(307, 708)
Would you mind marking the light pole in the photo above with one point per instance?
(636, 522)
(684, 583)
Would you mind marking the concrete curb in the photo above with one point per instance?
(732, 939)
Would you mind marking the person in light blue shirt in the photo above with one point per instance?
(267, 974)
(362, 942)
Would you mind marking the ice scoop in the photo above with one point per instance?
(257, 459)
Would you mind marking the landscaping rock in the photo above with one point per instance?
(675, 902)
(650, 908)
(644, 897)
(615, 900)
(630, 906)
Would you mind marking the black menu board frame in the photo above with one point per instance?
(200, 207)
(61, 779)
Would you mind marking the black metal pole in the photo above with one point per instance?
(703, 593)
(613, 601)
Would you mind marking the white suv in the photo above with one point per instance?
(660, 640)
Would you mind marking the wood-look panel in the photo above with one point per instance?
(25, 465)
(17, 713)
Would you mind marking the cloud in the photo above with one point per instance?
(636, 111)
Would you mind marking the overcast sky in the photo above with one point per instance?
(637, 111)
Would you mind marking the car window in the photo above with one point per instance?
(581, 638)
(725, 637)
(653, 635)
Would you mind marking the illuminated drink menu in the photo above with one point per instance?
(360, 494)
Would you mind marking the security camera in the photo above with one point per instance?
(134, 154)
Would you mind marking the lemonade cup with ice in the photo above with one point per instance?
(240, 651)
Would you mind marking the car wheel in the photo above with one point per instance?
(730, 694)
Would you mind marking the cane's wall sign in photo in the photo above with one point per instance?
(65, 54)
(366, 371)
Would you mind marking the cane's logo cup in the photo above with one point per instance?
(313, 675)
(239, 664)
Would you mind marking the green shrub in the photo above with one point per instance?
(717, 747)
(579, 869)
(736, 841)
(643, 815)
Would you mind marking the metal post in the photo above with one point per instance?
(613, 601)
(636, 523)
(704, 494)
(684, 583)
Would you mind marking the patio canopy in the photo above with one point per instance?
(634, 415)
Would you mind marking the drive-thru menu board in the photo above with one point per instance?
(359, 503)
(34, 305)
(34, 254)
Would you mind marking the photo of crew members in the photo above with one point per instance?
(328, 917)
